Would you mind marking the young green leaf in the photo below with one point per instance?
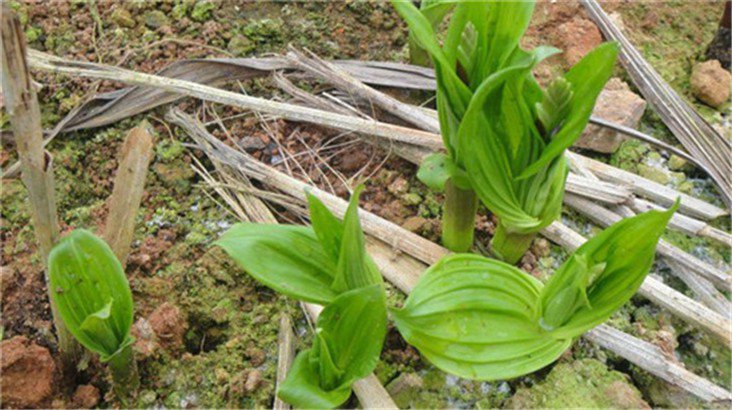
(355, 267)
(288, 259)
(603, 274)
(349, 336)
(326, 226)
(476, 318)
(92, 293)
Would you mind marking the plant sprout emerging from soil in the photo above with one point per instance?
(94, 301)
(484, 319)
(504, 134)
(325, 264)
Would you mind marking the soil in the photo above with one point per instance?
(206, 331)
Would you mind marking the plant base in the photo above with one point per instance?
(458, 218)
(125, 378)
(509, 246)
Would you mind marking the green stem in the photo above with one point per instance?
(125, 379)
(418, 55)
(509, 246)
(458, 218)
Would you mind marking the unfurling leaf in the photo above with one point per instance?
(349, 336)
(483, 319)
(92, 293)
(555, 106)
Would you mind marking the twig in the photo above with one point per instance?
(285, 356)
(129, 185)
(21, 104)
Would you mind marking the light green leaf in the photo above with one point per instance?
(288, 259)
(327, 227)
(435, 170)
(606, 272)
(91, 292)
(350, 333)
(587, 79)
(477, 318)
(355, 267)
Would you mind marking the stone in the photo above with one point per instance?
(404, 388)
(254, 380)
(169, 326)
(145, 344)
(710, 83)
(399, 186)
(585, 383)
(414, 224)
(86, 396)
(616, 103)
(121, 17)
(27, 373)
(577, 37)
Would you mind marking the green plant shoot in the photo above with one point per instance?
(504, 134)
(483, 319)
(327, 264)
(94, 300)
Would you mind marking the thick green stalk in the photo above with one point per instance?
(458, 218)
(125, 379)
(509, 246)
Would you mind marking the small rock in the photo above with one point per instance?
(86, 396)
(399, 186)
(676, 163)
(156, 19)
(414, 224)
(577, 37)
(256, 356)
(617, 104)
(711, 83)
(145, 343)
(654, 174)
(27, 373)
(169, 326)
(251, 144)
(254, 380)
(121, 17)
(541, 247)
(404, 388)
(666, 341)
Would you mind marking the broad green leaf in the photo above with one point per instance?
(476, 318)
(435, 170)
(92, 293)
(603, 274)
(355, 268)
(350, 333)
(327, 227)
(288, 259)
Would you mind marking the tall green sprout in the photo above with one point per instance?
(504, 134)
(94, 301)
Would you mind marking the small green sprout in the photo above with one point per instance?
(484, 319)
(94, 301)
(504, 135)
(327, 264)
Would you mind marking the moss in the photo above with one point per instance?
(202, 10)
(33, 33)
(583, 383)
(629, 155)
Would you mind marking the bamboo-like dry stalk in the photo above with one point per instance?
(402, 268)
(694, 133)
(36, 166)
(285, 356)
(129, 185)
(663, 195)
